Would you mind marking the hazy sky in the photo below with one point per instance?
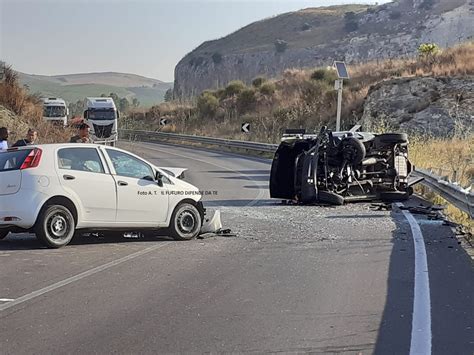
(146, 37)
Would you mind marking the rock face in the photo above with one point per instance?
(429, 106)
(318, 36)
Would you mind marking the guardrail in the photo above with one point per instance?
(454, 194)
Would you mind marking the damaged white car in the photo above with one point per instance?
(57, 190)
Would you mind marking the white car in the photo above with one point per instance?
(55, 190)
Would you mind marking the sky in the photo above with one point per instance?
(145, 37)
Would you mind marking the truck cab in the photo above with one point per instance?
(101, 115)
(55, 110)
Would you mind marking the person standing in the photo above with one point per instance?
(83, 136)
(3, 138)
(30, 139)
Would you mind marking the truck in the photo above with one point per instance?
(55, 110)
(102, 116)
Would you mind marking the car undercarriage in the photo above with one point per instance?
(337, 167)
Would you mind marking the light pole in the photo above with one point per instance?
(342, 74)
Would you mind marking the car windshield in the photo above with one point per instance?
(12, 160)
(103, 115)
(54, 111)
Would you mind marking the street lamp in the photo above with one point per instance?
(342, 74)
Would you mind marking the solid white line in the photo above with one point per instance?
(80, 276)
(6, 299)
(421, 320)
(261, 192)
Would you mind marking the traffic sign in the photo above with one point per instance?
(245, 127)
(341, 69)
(163, 121)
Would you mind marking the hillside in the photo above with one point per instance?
(73, 87)
(318, 36)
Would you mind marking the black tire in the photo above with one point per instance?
(3, 234)
(330, 198)
(55, 226)
(185, 222)
(393, 138)
(353, 150)
(394, 196)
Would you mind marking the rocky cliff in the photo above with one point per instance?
(428, 106)
(318, 36)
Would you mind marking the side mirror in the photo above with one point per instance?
(118, 114)
(85, 114)
(159, 179)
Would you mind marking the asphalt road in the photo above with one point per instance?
(294, 279)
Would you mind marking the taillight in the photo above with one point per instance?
(32, 160)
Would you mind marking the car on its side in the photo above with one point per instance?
(338, 167)
(57, 190)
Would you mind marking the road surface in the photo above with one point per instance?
(294, 279)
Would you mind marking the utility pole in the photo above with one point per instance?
(342, 74)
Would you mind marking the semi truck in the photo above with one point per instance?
(55, 110)
(102, 116)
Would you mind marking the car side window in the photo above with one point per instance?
(80, 159)
(129, 166)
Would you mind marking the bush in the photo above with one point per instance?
(351, 26)
(217, 58)
(428, 49)
(246, 100)
(328, 76)
(281, 45)
(267, 89)
(427, 4)
(207, 104)
(395, 15)
(305, 27)
(234, 88)
(259, 81)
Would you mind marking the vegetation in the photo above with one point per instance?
(258, 82)
(234, 88)
(281, 45)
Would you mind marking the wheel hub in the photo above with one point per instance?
(58, 226)
(186, 222)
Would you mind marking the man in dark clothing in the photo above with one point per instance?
(83, 136)
(30, 139)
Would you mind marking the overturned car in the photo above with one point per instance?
(337, 167)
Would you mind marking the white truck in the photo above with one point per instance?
(102, 117)
(55, 110)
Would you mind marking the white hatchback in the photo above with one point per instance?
(54, 190)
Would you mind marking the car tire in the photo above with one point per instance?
(55, 226)
(394, 196)
(330, 198)
(353, 150)
(185, 222)
(393, 138)
(3, 234)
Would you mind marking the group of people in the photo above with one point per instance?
(32, 137)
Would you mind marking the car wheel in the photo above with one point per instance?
(353, 150)
(3, 234)
(55, 226)
(330, 198)
(394, 196)
(185, 222)
(393, 138)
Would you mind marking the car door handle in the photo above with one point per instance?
(122, 183)
(68, 177)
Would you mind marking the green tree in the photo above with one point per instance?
(207, 104)
(124, 104)
(168, 95)
(234, 88)
(135, 102)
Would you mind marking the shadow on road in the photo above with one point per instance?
(29, 242)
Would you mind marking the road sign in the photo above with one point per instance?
(341, 69)
(163, 121)
(245, 127)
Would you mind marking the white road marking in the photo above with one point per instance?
(421, 320)
(6, 299)
(260, 194)
(80, 276)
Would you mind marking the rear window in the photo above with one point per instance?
(12, 160)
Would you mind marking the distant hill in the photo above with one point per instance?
(317, 36)
(73, 87)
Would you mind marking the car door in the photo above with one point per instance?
(140, 200)
(82, 173)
